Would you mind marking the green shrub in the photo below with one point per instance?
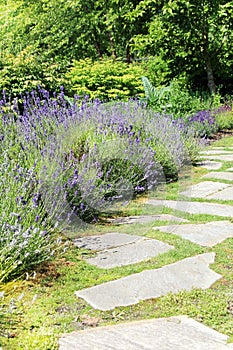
(105, 79)
(177, 99)
(26, 71)
(224, 120)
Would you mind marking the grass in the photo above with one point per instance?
(45, 307)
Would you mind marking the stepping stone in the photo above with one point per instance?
(195, 207)
(186, 274)
(206, 235)
(128, 254)
(223, 158)
(203, 189)
(229, 147)
(224, 195)
(179, 333)
(146, 219)
(215, 151)
(222, 175)
(108, 240)
(230, 169)
(210, 165)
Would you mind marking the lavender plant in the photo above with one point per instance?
(64, 163)
(203, 123)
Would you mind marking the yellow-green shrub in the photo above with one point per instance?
(105, 79)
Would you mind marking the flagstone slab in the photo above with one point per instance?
(215, 151)
(195, 207)
(146, 219)
(108, 240)
(208, 234)
(221, 175)
(230, 169)
(179, 333)
(210, 165)
(223, 158)
(228, 147)
(128, 254)
(203, 189)
(224, 195)
(193, 272)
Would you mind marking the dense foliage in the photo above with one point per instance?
(63, 164)
(105, 79)
(41, 39)
(65, 160)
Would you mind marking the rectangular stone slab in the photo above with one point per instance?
(207, 234)
(221, 175)
(146, 219)
(186, 274)
(215, 151)
(178, 333)
(195, 207)
(230, 169)
(128, 254)
(223, 157)
(210, 165)
(224, 195)
(108, 240)
(203, 189)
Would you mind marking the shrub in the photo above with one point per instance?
(105, 79)
(26, 71)
(63, 164)
(176, 99)
(224, 117)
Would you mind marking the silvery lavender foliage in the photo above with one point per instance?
(62, 161)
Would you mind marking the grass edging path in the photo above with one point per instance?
(44, 306)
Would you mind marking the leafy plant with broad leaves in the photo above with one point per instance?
(155, 95)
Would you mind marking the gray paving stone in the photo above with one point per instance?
(193, 272)
(216, 151)
(206, 235)
(128, 254)
(195, 207)
(146, 219)
(223, 158)
(221, 175)
(228, 147)
(224, 195)
(203, 189)
(230, 169)
(108, 240)
(178, 333)
(210, 165)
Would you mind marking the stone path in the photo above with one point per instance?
(178, 333)
(195, 207)
(206, 235)
(146, 219)
(115, 249)
(130, 253)
(186, 274)
(210, 165)
(223, 158)
(221, 175)
(203, 189)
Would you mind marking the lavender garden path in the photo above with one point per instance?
(117, 249)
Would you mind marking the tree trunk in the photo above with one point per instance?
(206, 55)
(210, 76)
(128, 57)
(112, 45)
(97, 47)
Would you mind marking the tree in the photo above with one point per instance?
(194, 36)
